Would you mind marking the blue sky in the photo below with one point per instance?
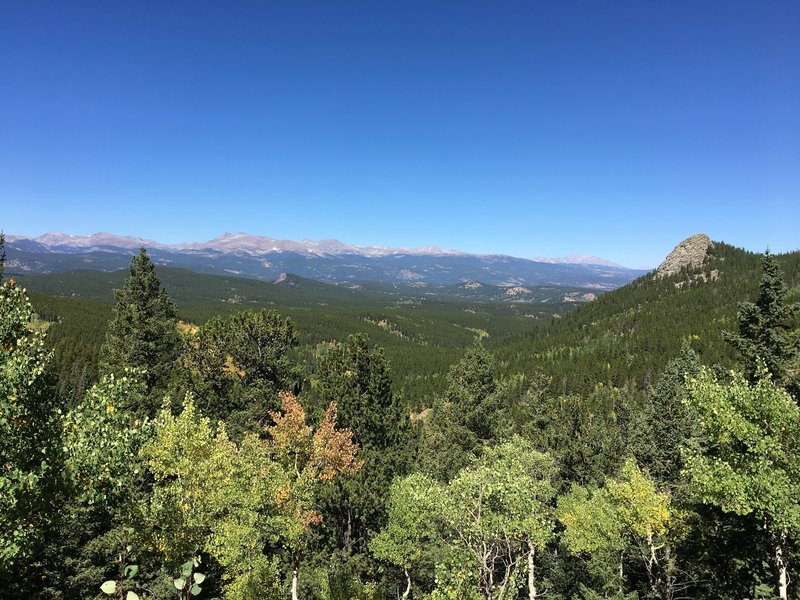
(527, 128)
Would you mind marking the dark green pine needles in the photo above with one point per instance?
(142, 334)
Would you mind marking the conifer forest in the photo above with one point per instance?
(645, 445)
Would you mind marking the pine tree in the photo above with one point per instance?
(142, 333)
(466, 418)
(666, 422)
(768, 331)
(236, 367)
(355, 375)
(471, 384)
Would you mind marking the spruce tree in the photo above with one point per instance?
(467, 418)
(142, 333)
(666, 422)
(767, 331)
(471, 385)
(355, 375)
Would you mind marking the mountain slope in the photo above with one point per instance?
(630, 333)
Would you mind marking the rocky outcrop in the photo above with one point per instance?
(690, 253)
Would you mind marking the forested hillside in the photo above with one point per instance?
(627, 336)
(421, 336)
(173, 445)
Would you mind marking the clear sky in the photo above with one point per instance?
(527, 128)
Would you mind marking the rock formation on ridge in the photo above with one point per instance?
(691, 252)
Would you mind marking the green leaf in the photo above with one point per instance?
(196, 589)
(132, 596)
(131, 571)
(197, 561)
(179, 583)
(109, 587)
(186, 568)
(199, 577)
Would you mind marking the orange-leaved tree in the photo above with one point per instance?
(308, 460)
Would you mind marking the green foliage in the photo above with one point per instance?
(627, 515)
(262, 505)
(747, 460)
(587, 435)
(408, 534)
(29, 429)
(466, 418)
(142, 333)
(187, 584)
(355, 375)
(234, 500)
(488, 518)
(209, 494)
(75, 333)
(629, 334)
(409, 510)
(102, 438)
(767, 336)
(184, 459)
(235, 367)
(2, 256)
(496, 510)
(666, 421)
(422, 337)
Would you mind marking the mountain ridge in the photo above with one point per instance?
(331, 261)
(242, 242)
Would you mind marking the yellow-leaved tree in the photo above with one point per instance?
(232, 500)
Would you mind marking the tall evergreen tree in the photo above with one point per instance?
(470, 385)
(666, 421)
(355, 375)
(768, 331)
(466, 418)
(142, 333)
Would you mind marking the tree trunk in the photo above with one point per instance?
(783, 578)
(531, 572)
(669, 574)
(408, 587)
(652, 563)
(294, 583)
(348, 532)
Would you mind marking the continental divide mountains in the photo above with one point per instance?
(331, 261)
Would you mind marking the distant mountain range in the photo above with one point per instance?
(331, 261)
